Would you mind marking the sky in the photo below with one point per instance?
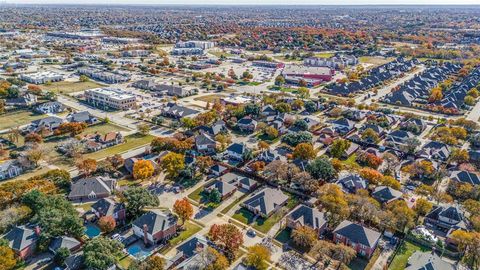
(251, 2)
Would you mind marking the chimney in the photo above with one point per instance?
(37, 230)
(145, 234)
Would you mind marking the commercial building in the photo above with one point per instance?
(193, 47)
(104, 76)
(110, 98)
(312, 75)
(42, 77)
(268, 64)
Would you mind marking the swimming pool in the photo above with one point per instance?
(92, 230)
(139, 251)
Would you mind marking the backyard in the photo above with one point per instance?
(131, 142)
(18, 118)
(190, 229)
(404, 252)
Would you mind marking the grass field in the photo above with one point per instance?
(375, 60)
(210, 98)
(405, 251)
(66, 87)
(132, 142)
(220, 53)
(18, 118)
(324, 55)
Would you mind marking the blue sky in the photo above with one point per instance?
(253, 2)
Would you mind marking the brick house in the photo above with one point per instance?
(23, 240)
(363, 240)
(155, 226)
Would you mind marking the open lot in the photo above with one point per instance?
(18, 118)
(132, 142)
(66, 87)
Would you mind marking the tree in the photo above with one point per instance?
(72, 128)
(60, 256)
(263, 145)
(422, 207)
(435, 95)
(469, 100)
(370, 135)
(321, 168)
(87, 166)
(214, 260)
(402, 215)
(136, 199)
(227, 236)
(204, 163)
(304, 151)
(459, 156)
(101, 253)
(343, 253)
(304, 236)
(257, 257)
(410, 145)
(372, 175)
(35, 154)
(271, 132)
(301, 124)
(283, 107)
(173, 163)
(33, 138)
(279, 80)
(183, 209)
(84, 78)
(469, 243)
(424, 190)
(303, 92)
(333, 200)
(116, 161)
(7, 258)
(107, 224)
(338, 148)
(143, 169)
(144, 129)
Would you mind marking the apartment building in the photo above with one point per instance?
(110, 98)
(104, 76)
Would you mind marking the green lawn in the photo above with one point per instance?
(405, 251)
(190, 229)
(125, 262)
(196, 195)
(374, 60)
(284, 236)
(103, 129)
(261, 224)
(65, 87)
(230, 206)
(18, 118)
(131, 142)
(324, 55)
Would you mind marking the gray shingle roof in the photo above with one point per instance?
(427, 261)
(20, 237)
(357, 233)
(156, 221)
(266, 200)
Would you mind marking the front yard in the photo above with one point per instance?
(190, 229)
(131, 142)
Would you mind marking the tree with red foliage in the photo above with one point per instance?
(227, 236)
(183, 209)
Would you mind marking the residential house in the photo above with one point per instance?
(362, 239)
(399, 137)
(303, 215)
(67, 242)
(351, 182)
(51, 107)
(266, 202)
(237, 151)
(107, 207)
(445, 218)
(343, 125)
(47, 124)
(268, 110)
(427, 261)
(247, 124)
(190, 254)
(224, 188)
(466, 177)
(217, 170)
(205, 143)
(155, 226)
(435, 150)
(92, 188)
(23, 240)
(9, 169)
(82, 117)
(25, 100)
(177, 111)
(219, 127)
(385, 194)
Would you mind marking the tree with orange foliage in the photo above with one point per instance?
(106, 224)
(372, 175)
(435, 95)
(227, 236)
(257, 166)
(34, 89)
(72, 128)
(87, 166)
(183, 209)
(33, 138)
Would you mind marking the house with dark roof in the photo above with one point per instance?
(189, 254)
(399, 137)
(69, 243)
(205, 143)
(224, 188)
(107, 207)
(445, 219)
(435, 150)
(266, 201)
(92, 188)
(82, 117)
(466, 177)
(427, 261)
(217, 169)
(385, 194)
(218, 127)
(247, 124)
(362, 239)
(268, 110)
(351, 182)
(343, 125)
(48, 124)
(177, 111)
(9, 169)
(155, 226)
(23, 240)
(303, 215)
(237, 151)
